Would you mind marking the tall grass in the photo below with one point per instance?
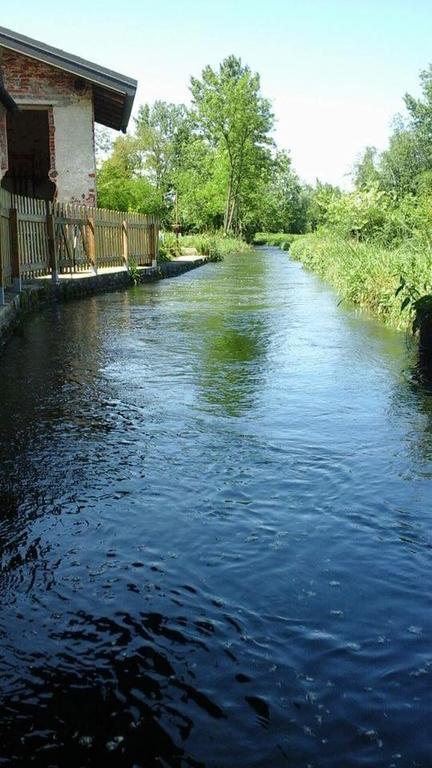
(279, 239)
(213, 245)
(368, 275)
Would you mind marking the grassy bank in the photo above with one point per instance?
(279, 239)
(368, 275)
(215, 246)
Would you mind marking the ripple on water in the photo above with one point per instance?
(214, 531)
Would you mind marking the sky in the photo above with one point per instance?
(335, 70)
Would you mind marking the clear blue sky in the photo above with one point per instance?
(335, 70)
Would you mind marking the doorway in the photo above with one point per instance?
(29, 154)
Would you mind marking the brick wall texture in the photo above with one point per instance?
(69, 102)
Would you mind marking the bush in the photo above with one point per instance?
(360, 215)
(168, 248)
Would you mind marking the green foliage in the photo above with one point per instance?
(162, 131)
(214, 245)
(415, 300)
(212, 167)
(374, 245)
(236, 120)
(219, 160)
(402, 164)
(168, 246)
(136, 195)
(200, 187)
(120, 189)
(360, 215)
(368, 275)
(283, 201)
(365, 171)
(133, 272)
(320, 198)
(278, 239)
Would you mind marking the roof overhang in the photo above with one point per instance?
(113, 93)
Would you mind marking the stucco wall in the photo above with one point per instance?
(35, 84)
(74, 152)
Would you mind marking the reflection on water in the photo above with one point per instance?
(215, 530)
(234, 342)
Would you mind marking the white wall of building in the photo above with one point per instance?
(74, 151)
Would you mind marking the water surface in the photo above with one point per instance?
(215, 530)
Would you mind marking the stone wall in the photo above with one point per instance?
(69, 101)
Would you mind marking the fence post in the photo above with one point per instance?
(2, 279)
(14, 246)
(52, 244)
(152, 244)
(157, 228)
(125, 240)
(91, 241)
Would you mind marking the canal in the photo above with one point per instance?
(215, 530)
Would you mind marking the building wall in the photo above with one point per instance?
(3, 143)
(34, 84)
(74, 152)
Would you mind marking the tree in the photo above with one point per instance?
(420, 111)
(365, 171)
(161, 133)
(199, 182)
(233, 116)
(407, 163)
(143, 166)
(321, 199)
(284, 202)
(403, 163)
(104, 140)
(121, 183)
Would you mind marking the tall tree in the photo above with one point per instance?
(402, 164)
(161, 132)
(235, 118)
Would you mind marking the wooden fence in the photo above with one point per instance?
(40, 239)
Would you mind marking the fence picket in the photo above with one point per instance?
(46, 237)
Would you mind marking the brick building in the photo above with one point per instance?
(49, 103)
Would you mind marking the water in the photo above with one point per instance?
(215, 530)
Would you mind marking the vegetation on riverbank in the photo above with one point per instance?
(368, 274)
(214, 167)
(214, 245)
(374, 244)
(278, 239)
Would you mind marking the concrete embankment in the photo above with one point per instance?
(38, 293)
